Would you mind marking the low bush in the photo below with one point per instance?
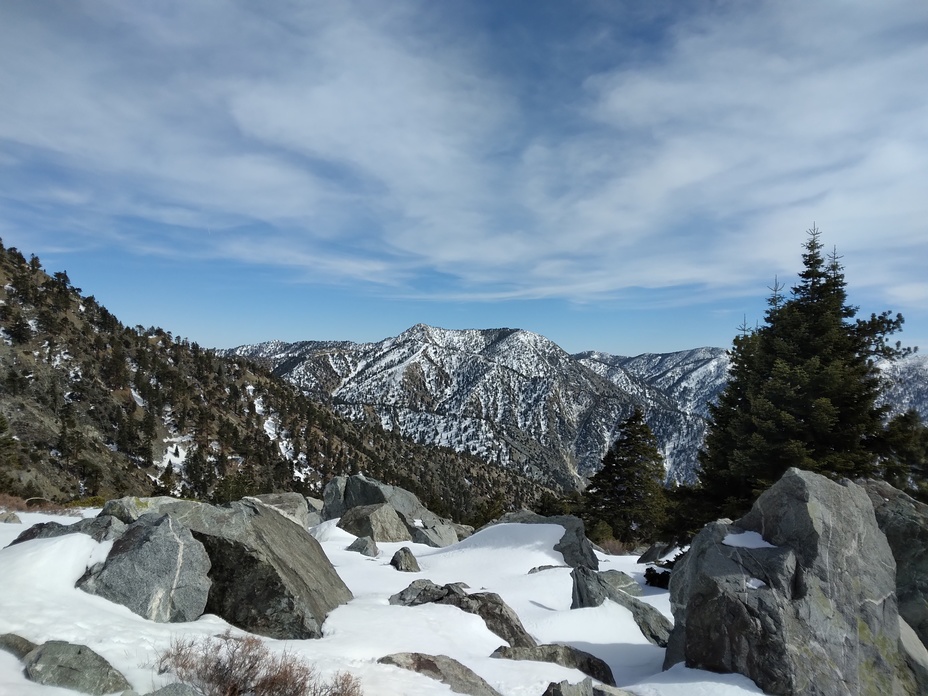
(227, 665)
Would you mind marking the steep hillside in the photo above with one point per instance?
(93, 407)
(509, 396)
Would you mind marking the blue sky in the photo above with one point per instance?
(618, 176)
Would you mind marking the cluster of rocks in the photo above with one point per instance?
(821, 589)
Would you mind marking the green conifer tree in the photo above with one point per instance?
(627, 492)
(802, 392)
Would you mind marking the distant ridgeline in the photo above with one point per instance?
(90, 407)
(517, 399)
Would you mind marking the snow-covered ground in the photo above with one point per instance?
(38, 601)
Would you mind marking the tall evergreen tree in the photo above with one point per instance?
(803, 390)
(627, 492)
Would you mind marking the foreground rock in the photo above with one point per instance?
(591, 589)
(269, 576)
(575, 547)
(489, 606)
(904, 521)
(798, 595)
(156, 569)
(100, 528)
(461, 679)
(57, 663)
(563, 655)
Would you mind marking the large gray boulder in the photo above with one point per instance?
(461, 679)
(563, 655)
(489, 606)
(7, 517)
(798, 595)
(292, 505)
(365, 546)
(591, 589)
(576, 548)
(57, 663)
(100, 528)
(904, 521)
(379, 522)
(269, 576)
(156, 569)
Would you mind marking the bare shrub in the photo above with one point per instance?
(227, 665)
(615, 547)
(14, 503)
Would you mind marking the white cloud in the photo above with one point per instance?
(378, 142)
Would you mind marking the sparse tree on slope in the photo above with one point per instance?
(803, 391)
(627, 492)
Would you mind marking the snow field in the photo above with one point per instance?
(38, 601)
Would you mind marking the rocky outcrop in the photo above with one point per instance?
(57, 663)
(379, 522)
(343, 494)
(904, 521)
(404, 561)
(575, 547)
(156, 569)
(498, 616)
(100, 528)
(584, 688)
(591, 589)
(563, 655)
(798, 595)
(292, 505)
(461, 679)
(365, 546)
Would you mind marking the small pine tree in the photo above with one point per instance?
(627, 492)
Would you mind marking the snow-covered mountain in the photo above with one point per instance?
(508, 395)
(515, 398)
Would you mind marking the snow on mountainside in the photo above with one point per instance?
(507, 395)
(517, 399)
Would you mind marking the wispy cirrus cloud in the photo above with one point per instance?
(390, 144)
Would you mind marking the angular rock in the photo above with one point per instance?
(270, 577)
(904, 521)
(156, 569)
(461, 679)
(622, 582)
(130, 508)
(100, 528)
(314, 516)
(379, 522)
(798, 595)
(591, 589)
(342, 494)
(292, 505)
(7, 517)
(404, 560)
(16, 645)
(656, 552)
(575, 547)
(584, 688)
(57, 663)
(489, 606)
(915, 655)
(563, 655)
(365, 546)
